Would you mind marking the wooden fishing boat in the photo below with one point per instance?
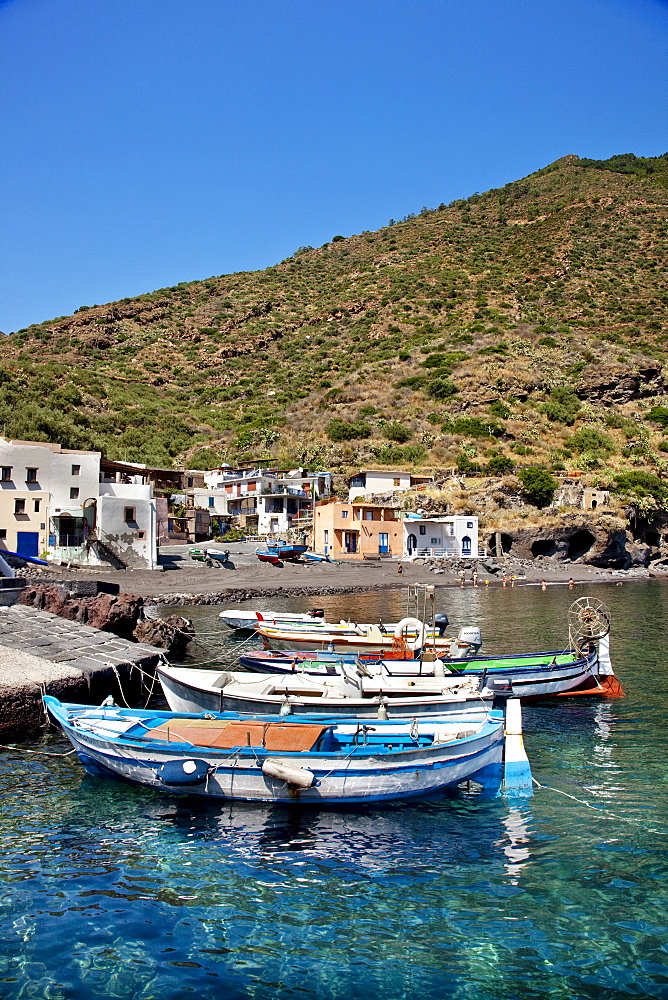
(353, 691)
(529, 675)
(249, 620)
(285, 550)
(316, 557)
(348, 637)
(264, 555)
(263, 759)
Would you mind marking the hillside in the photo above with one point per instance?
(525, 325)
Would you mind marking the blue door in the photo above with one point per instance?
(27, 543)
(383, 542)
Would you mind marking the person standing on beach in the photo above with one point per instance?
(400, 569)
(474, 577)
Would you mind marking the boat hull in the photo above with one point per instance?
(511, 677)
(361, 776)
(184, 695)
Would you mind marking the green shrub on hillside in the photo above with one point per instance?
(638, 484)
(205, 458)
(562, 407)
(396, 431)
(392, 454)
(539, 485)
(500, 465)
(500, 409)
(467, 466)
(474, 427)
(343, 430)
(589, 439)
(442, 388)
(659, 415)
(413, 382)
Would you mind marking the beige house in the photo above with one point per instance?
(24, 521)
(357, 531)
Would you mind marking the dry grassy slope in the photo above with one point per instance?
(555, 280)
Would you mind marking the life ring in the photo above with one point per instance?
(415, 625)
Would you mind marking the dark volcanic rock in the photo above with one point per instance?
(621, 387)
(172, 633)
(117, 613)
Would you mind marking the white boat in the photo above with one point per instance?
(353, 691)
(249, 620)
(525, 675)
(288, 760)
(408, 635)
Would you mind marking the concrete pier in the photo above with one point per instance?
(74, 662)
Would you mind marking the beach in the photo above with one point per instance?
(181, 576)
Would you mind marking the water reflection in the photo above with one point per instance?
(116, 891)
(516, 823)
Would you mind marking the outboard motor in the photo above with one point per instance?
(317, 613)
(441, 622)
(469, 640)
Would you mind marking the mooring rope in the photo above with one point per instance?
(44, 753)
(599, 809)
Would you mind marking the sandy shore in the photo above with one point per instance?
(180, 575)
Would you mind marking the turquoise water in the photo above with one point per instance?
(114, 891)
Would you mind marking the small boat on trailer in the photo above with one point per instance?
(305, 760)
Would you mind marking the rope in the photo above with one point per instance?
(598, 809)
(44, 753)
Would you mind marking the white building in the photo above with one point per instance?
(53, 504)
(378, 482)
(454, 537)
(265, 501)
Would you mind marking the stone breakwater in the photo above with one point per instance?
(43, 653)
(122, 614)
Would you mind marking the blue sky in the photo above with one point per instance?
(148, 142)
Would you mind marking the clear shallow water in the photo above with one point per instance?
(114, 891)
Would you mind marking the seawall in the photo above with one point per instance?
(41, 652)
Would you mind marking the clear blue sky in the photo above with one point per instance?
(147, 142)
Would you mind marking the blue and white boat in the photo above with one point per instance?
(523, 675)
(305, 759)
(285, 550)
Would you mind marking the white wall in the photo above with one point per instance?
(447, 536)
(124, 538)
(127, 491)
(380, 482)
(201, 499)
(54, 472)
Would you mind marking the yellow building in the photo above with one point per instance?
(357, 531)
(23, 521)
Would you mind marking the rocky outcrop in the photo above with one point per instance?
(615, 387)
(575, 537)
(121, 614)
(172, 633)
(117, 613)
